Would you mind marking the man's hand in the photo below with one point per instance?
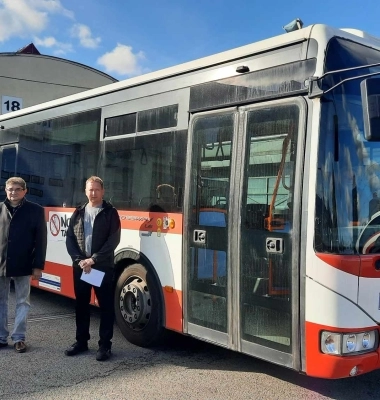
(86, 265)
(36, 274)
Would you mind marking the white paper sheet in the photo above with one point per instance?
(94, 277)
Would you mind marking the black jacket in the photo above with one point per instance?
(105, 236)
(23, 239)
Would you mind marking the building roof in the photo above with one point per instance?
(28, 49)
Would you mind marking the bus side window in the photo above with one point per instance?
(166, 194)
(255, 216)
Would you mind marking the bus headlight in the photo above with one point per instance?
(359, 342)
(366, 340)
(348, 343)
(330, 343)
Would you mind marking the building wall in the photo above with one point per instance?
(29, 79)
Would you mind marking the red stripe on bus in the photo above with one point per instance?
(57, 209)
(173, 299)
(144, 221)
(151, 221)
(368, 266)
(363, 265)
(65, 273)
(327, 366)
(349, 264)
(173, 310)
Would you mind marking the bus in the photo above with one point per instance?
(246, 184)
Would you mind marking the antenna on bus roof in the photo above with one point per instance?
(294, 25)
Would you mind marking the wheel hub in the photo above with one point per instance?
(135, 303)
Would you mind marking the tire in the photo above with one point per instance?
(139, 306)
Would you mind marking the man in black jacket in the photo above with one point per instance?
(92, 237)
(23, 239)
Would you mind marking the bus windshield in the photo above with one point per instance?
(347, 212)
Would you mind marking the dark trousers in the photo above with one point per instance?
(104, 294)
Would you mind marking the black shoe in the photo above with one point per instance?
(3, 344)
(103, 354)
(76, 348)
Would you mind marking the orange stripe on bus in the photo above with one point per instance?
(368, 268)
(144, 221)
(173, 299)
(365, 266)
(173, 310)
(151, 221)
(328, 366)
(66, 278)
(349, 264)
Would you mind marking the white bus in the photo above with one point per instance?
(246, 184)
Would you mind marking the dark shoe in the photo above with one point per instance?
(20, 347)
(103, 354)
(76, 348)
(3, 344)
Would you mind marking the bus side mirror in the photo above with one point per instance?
(370, 92)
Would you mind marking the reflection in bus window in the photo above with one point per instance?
(209, 197)
(267, 212)
(142, 173)
(348, 175)
(270, 172)
(55, 157)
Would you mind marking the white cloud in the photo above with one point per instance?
(52, 6)
(22, 18)
(47, 42)
(83, 33)
(122, 60)
(59, 48)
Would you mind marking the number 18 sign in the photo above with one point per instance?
(9, 104)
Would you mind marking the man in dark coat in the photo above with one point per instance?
(23, 239)
(92, 237)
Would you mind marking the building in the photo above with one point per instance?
(28, 78)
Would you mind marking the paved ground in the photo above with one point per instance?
(183, 368)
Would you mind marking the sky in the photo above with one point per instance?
(126, 38)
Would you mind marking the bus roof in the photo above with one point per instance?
(322, 33)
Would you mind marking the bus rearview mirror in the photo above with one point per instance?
(370, 92)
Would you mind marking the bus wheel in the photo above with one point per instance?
(138, 306)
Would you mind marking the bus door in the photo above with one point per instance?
(269, 233)
(242, 229)
(8, 154)
(207, 234)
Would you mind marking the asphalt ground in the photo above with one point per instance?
(181, 368)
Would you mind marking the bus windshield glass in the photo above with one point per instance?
(347, 208)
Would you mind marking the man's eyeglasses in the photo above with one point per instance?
(17, 190)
